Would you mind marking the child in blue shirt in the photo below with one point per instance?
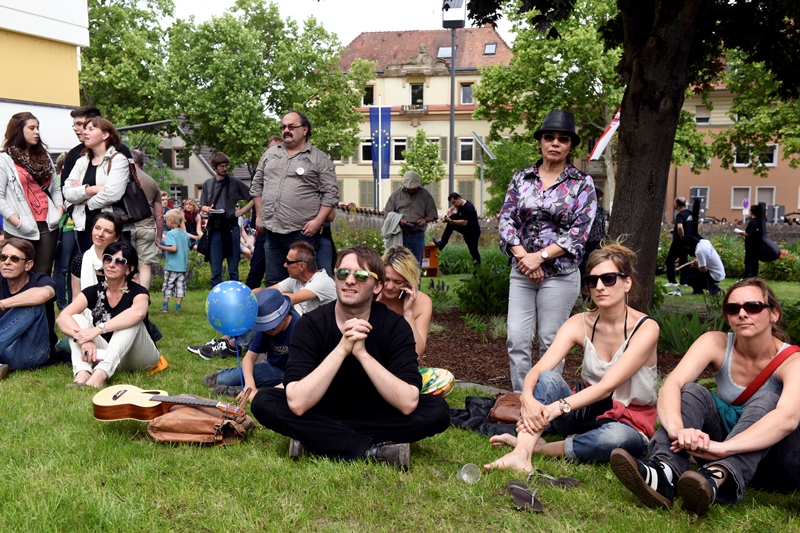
(177, 260)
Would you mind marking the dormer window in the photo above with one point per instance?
(445, 52)
(490, 49)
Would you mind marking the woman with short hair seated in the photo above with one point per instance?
(617, 408)
(757, 441)
(401, 294)
(117, 322)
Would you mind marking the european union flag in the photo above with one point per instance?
(380, 122)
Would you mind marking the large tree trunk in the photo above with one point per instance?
(658, 39)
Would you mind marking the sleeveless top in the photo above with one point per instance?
(727, 390)
(640, 389)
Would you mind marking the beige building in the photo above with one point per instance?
(723, 191)
(413, 77)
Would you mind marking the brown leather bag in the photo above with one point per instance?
(202, 425)
(506, 408)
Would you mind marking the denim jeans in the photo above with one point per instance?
(24, 337)
(596, 445)
(415, 242)
(69, 249)
(264, 374)
(325, 251)
(258, 266)
(276, 246)
(533, 306)
(216, 256)
(699, 411)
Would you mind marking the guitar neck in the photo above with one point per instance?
(185, 400)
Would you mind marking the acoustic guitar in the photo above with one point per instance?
(121, 402)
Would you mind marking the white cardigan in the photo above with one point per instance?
(114, 183)
(14, 202)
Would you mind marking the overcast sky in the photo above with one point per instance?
(346, 18)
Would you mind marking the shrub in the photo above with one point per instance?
(455, 259)
(486, 292)
(346, 235)
(786, 268)
(498, 327)
(678, 331)
(441, 298)
(731, 251)
(791, 320)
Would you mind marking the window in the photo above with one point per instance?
(398, 148)
(369, 95)
(175, 193)
(466, 94)
(490, 49)
(742, 156)
(466, 188)
(466, 149)
(738, 194)
(366, 149)
(445, 52)
(395, 184)
(436, 191)
(698, 192)
(702, 115)
(177, 158)
(766, 195)
(417, 93)
(340, 186)
(366, 193)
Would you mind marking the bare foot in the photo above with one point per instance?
(504, 439)
(539, 444)
(98, 379)
(511, 461)
(82, 377)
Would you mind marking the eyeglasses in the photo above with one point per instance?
(609, 279)
(119, 261)
(78, 124)
(14, 258)
(563, 139)
(290, 127)
(360, 275)
(751, 308)
(290, 262)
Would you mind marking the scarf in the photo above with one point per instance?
(41, 171)
(89, 267)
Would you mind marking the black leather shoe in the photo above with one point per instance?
(392, 453)
(438, 243)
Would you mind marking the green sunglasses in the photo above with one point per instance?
(360, 275)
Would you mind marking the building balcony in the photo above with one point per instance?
(414, 109)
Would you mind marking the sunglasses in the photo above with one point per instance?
(119, 261)
(290, 127)
(360, 275)
(751, 308)
(288, 262)
(563, 139)
(609, 279)
(14, 258)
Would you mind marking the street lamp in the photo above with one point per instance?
(454, 15)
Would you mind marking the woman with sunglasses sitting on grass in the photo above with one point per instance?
(115, 337)
(617, 406)
(738, 441)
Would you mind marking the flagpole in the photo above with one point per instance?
(380, 157)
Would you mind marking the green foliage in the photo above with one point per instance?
(791, 320)
(423, 157)
(691, 148)
(731, 251)
(346, 234)
(455, 259)
(149, 144)
(512, 156)
(122, 69)
(678, 331)
(498, 327)
(486, 292)
(659, 295)
(441, 297)
(785, 268)
(475, 322)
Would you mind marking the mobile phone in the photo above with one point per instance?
(402, 293)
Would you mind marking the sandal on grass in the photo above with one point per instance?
(543, 478)
(525, 498)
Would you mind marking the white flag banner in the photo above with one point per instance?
(605, 138)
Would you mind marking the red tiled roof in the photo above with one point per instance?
(400, 46)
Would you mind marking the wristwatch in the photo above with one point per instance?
(565, 407)
(545, 254)
(102, 326)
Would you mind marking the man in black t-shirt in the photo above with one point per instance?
(463, 218)
(352, 383)
(26, 326)
(684, 225)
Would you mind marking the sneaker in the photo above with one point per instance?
(4, 371)
(196, 347)
(671, 285)
(645, 478)
(221, 349)
(227, 390)
(395, 454)
(698, 489)
(178, 310)
(210, 380)
(165, 309)
(438, 243)
(676, 292)
(296, 449)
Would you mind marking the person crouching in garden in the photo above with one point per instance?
(756, 442)
(617, 406)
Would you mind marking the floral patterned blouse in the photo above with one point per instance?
(536, 218)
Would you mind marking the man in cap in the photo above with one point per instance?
(273, 329)
(417, 208)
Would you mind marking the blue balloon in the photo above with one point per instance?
(231, 308)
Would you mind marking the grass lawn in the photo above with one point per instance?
(64, 471)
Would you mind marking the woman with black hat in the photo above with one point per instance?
(544, 223)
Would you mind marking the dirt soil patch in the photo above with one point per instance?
(477, 357)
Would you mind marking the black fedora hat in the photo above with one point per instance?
(558, 120)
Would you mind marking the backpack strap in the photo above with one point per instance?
(764, 375)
